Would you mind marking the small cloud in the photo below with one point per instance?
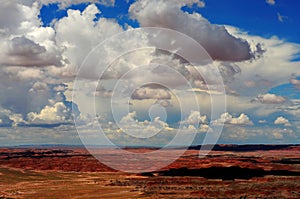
(282, 121)
(195, 118)
(269, 99)
(227, 118)
(262, 121)
(271, 2)
(200, 4)
(150, 93)
(39, 87)
(130, 125)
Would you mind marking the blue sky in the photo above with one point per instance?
(254, 44)
(256, 17)
(118, 12)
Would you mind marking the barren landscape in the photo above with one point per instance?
(229, 171)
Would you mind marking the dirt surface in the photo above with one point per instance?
(71, 172)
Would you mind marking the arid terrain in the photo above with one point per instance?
(229, 171)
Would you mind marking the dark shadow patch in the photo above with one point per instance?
(224, 173)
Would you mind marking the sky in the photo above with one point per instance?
(91, 71)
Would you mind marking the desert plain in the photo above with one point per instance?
(228, 171)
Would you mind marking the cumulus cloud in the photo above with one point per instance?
(270, 99)
(58, 113)
(142, 129)
(227, 118)
(70, 36)
(203, 128)
(23, 42)
(282, 121)
(270, 2)
(195, 118)
(272, 69)
(215, 39)
(26, 92)
(130, 125)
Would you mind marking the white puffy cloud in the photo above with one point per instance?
(142, 129)
(215, 39)
(270, 99)
(58, 113)
(195, 118)
(78, 34)
(282, 121)
(272, 69)
(227, 118)
(270, 2)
